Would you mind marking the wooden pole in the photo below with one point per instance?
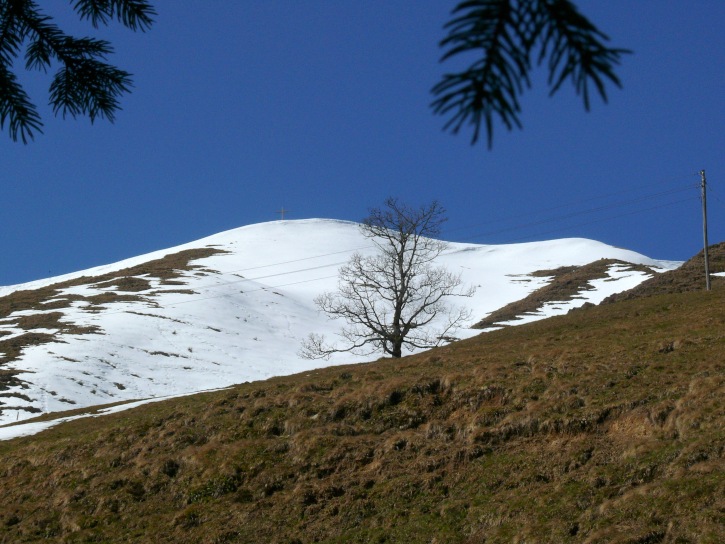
(704, 228)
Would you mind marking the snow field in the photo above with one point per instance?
(250, 309)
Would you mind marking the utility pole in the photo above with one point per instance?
(704, 228)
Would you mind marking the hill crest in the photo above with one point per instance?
(228, 308)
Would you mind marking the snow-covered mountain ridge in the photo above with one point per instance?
(234, 307)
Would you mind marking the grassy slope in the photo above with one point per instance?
(689, 277)
(605, 425)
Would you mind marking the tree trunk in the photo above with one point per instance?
(397, 350)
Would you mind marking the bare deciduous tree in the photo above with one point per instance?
(396, 297)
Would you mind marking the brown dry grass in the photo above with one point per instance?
(606, 425)
(688, 278)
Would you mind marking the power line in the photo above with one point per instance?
(286, 273)
(604, 219)
(301, 259)
(609, 206)
(265, 288)
(519, 227)
(254, 290)
(574, 203)
(581, 212)
(714, 193)
(339, 263)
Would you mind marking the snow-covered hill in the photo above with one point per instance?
(230, 308)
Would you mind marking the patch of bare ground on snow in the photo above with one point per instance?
(567, 284)
(49, 302)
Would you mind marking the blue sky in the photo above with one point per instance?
(322, 107)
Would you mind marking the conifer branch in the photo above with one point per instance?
(502, 35)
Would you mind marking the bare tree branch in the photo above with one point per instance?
(395, 298)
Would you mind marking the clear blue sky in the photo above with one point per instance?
(242, 107)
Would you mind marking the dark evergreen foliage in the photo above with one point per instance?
(85, 84)
(503, 36)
